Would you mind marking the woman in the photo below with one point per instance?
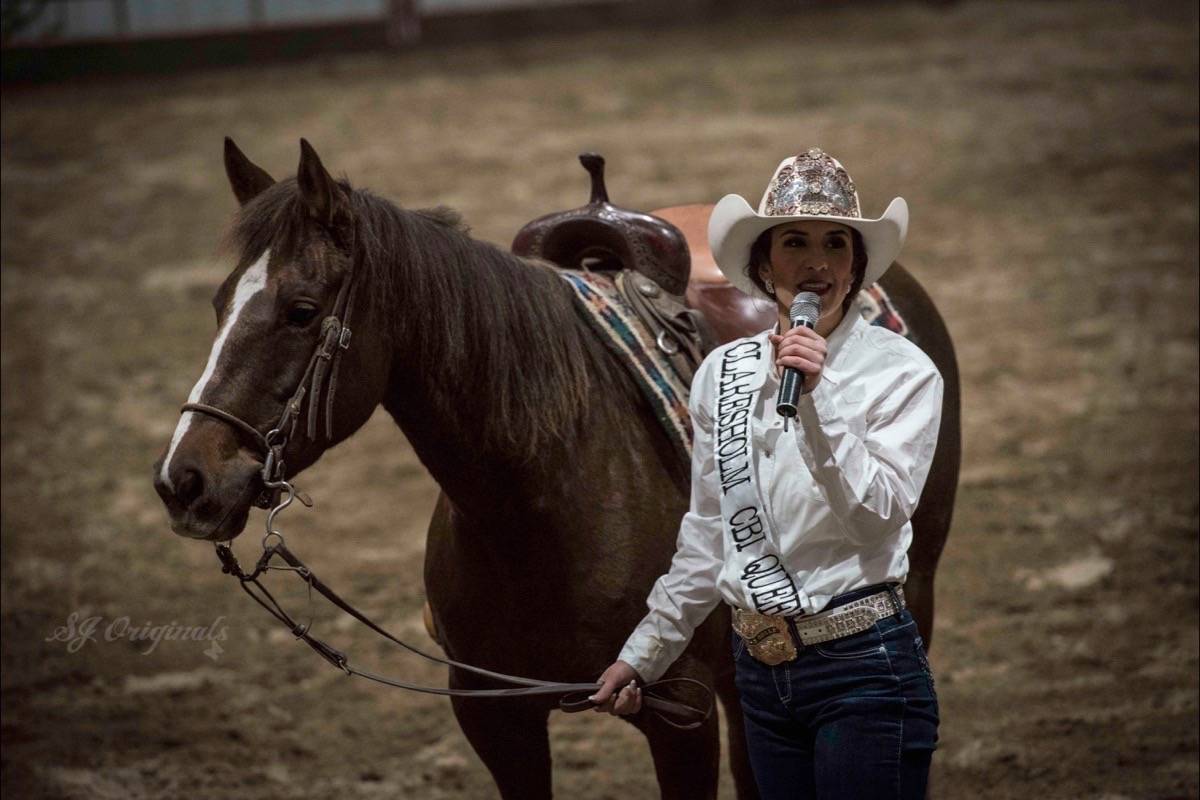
(804, 530)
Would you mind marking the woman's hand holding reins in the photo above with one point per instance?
(803, 349)
(626, 701)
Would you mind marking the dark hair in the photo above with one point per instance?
(760, 254)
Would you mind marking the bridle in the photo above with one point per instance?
(334, 340)
(326, 360)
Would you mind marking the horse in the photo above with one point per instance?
(560, 492)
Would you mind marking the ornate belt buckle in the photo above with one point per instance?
(767, 637)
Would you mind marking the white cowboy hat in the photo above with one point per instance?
(812, 185)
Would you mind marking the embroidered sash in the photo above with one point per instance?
(751, 542)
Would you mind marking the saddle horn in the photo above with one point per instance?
(608, 237)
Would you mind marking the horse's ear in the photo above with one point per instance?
(247, 179)
(321, 194)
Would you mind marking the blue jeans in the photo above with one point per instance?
(853, 718)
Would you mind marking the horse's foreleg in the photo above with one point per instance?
(687, 762)
(512, 740)
(739, 756)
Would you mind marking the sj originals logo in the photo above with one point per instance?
(80, 630)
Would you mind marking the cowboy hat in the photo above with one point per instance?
(812, 185)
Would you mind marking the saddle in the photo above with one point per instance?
(729, 312)
(663, 268)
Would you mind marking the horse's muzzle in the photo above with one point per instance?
(207, 504)
(226, 528)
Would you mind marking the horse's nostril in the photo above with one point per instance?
(166, 491)
(189, 487)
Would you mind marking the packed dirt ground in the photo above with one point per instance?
(1049, 154)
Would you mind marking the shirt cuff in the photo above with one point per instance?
(816, 414)
(817, 405)
(644, 657)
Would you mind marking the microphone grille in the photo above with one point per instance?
(806, 305)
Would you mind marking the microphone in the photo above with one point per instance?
(805, 310)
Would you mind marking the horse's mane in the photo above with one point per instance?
(483, 319)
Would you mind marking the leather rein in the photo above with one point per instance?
(333, 342)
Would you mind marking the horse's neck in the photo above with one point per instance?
(493, 399)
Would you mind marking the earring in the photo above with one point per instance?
(770, 286)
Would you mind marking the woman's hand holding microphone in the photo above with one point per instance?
(803, 349)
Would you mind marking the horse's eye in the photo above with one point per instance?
(301, 314)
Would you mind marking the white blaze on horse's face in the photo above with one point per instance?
(253, 280)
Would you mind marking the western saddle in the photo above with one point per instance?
(678, 292)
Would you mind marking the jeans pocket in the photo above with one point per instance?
(862, 645)
(923, 658)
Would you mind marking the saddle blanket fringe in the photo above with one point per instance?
(613, 318)
(615, 321)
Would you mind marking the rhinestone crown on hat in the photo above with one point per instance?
(811, 183)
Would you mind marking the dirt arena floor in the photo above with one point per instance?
(1049, 153)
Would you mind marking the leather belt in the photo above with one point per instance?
(770, 639)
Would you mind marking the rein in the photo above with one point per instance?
(325, 360)
(277, 549)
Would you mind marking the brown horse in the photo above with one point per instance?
(561, 495)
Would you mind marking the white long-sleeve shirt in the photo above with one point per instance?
(840, 485)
